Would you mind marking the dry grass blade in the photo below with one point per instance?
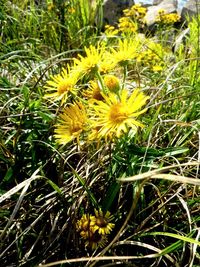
(169, 177)
(194, 249)
(20, 186)
(145, 245)
(157, 174)
(17, 206)
(21, 234)
(105, 258)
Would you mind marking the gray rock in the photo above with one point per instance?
(191, 8)
(156, 2)
(170, 6)
(113, 10)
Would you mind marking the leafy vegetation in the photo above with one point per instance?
(99, 137)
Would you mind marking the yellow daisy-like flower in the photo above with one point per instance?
(168, 19)
(126, 51)
(86, 225)
(112, 83)
(95, 240)
(127, 25)
(93, 92)
(61, 85)
(116, 114)
(111, 30)
(89, 63)
(136, 11)
(103, 224)
(107, 64)
(94, 229)
(72, 123)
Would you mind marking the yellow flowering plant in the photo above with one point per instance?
(71, 123)
(94, 229)
(93, 166)
(167, 19)
(117, 113)
(62, 85)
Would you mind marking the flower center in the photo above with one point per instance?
(101, 222)
(118, 113)
(85, 226)
(95, 237)
(63, 87)
(76, 128)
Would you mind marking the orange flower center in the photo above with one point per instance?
(76, 128)
(95, 237)
(97, 95)
(118, 113)
(85, 226)
(63, 87)
(101, 222)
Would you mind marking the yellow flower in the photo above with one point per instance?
(126, 51)
(71, 10)
(167, 18)
(89, 63)
(112, 83)
(117, 114)
(94, 91)
(94, 229)
(61, 85)
(107, 64)
(127, 25)
(50, 6)
(103, 224)
(136, 12)
(157, 68)
(86, 225)
(111, 30)
(95, 240)
(153, 55)
(72, 123)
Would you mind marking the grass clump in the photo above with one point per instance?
(99, 138)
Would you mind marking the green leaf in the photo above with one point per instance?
(8, 175)
(110, 196)
(172, 151)
(180, 237)
(45, 116)
(82, 182)
(25, 92)
(55, 187)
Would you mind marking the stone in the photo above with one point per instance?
(170, 6)
(156, 2)
(191, 8)
(113, 10)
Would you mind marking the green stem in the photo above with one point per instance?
(124, 76)
(102, 86)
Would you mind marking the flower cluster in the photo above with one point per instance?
(128, 24)
(136, 12)
(167, 19)
(110, 30)
(104, 109)
(151, 56)
(94, 229)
